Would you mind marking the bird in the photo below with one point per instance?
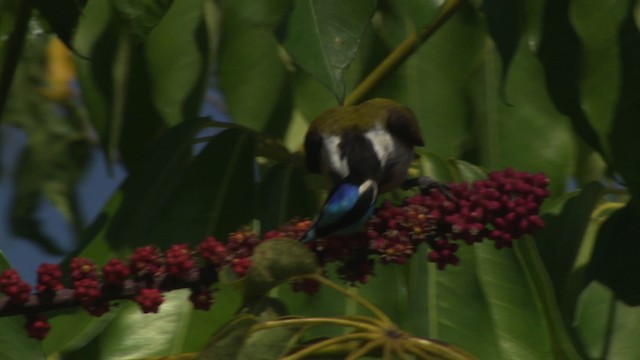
(363, 150)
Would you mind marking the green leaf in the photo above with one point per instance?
(16, 344)
(606, 326)
(269, 344)
(529, 134)
(597, 24)
(275, 261)
(614, 256)
(228, 341)
(254, 80)
(283, 196)
(13, 29)
(435, 82)
(141, 16)
(266, 14)
(179, 61)
(323, 37)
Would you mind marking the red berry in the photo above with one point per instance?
(149, 300)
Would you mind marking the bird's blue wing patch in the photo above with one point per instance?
(340, 202)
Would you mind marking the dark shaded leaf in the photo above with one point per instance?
(560, 53)
(503, 20)
(283, 195)
(215, 197)
(62, 15)
(323, 37)
(615, 255)
(560, 242)
(626, 129)
(150, 184)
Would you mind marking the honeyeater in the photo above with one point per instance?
(363, 150)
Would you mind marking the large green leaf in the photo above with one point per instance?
(529, 134)
(605, 325)
(15, 19)
(323, 37)
(435, 81)
(253, 77)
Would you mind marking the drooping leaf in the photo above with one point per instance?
(63, 16)
(559, 52)
(627, 128)
(503, 20)
(254, 80)
(323, 37)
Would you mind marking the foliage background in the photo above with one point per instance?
(551, 86)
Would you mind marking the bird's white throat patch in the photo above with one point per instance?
(383, 143)
(331, 154)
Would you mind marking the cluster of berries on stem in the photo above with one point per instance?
(501, 209)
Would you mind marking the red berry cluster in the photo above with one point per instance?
(148, 272)
(12, 285)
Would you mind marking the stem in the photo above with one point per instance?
(440, 350)
(357, 298)
(357, 354)
(400, 54)
(314, 321)
(329, 342)
(409, 346)
(606, 207)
